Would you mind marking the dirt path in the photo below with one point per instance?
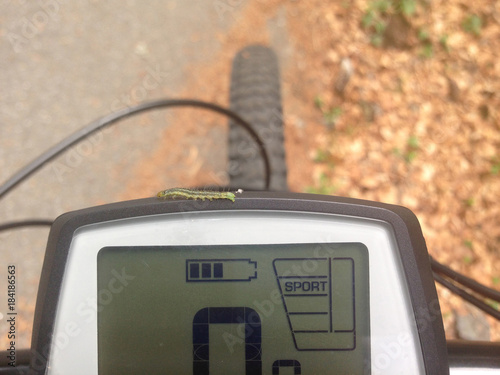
(417, 124)
(65, 64)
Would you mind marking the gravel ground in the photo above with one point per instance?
(377, 140)
(64, 64)
(416, 124)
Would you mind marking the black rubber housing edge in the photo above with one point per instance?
(410, 241)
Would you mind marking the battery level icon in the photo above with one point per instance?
(211, 270)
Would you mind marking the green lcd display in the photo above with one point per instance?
(234, 309)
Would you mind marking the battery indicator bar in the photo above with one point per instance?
(211, 270)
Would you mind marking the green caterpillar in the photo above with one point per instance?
(195, 194)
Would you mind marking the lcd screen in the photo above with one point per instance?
(234, 309)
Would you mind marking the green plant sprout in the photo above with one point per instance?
(443, 41)
(495, 167)
(374, 19)
(473, 24)
(318, 102)
(469, 202)
(408, 7)
(427, 50)
(410, 152)
(332, 115)
(468, 243)
(492, 303)
(324, 187)
(467, 259)
(321, 156)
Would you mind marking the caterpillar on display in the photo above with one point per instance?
(196, 194)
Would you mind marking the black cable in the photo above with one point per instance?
(467, 296)
(104, 121)
(465, 281)
(121, 114)
(25, 223)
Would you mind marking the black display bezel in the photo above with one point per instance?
(407, 231)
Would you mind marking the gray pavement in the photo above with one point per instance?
(64, 64)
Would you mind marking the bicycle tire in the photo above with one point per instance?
(255, 94)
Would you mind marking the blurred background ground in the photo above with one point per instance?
(415, 124)
(64, 64)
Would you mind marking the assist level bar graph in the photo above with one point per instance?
(319, 299)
